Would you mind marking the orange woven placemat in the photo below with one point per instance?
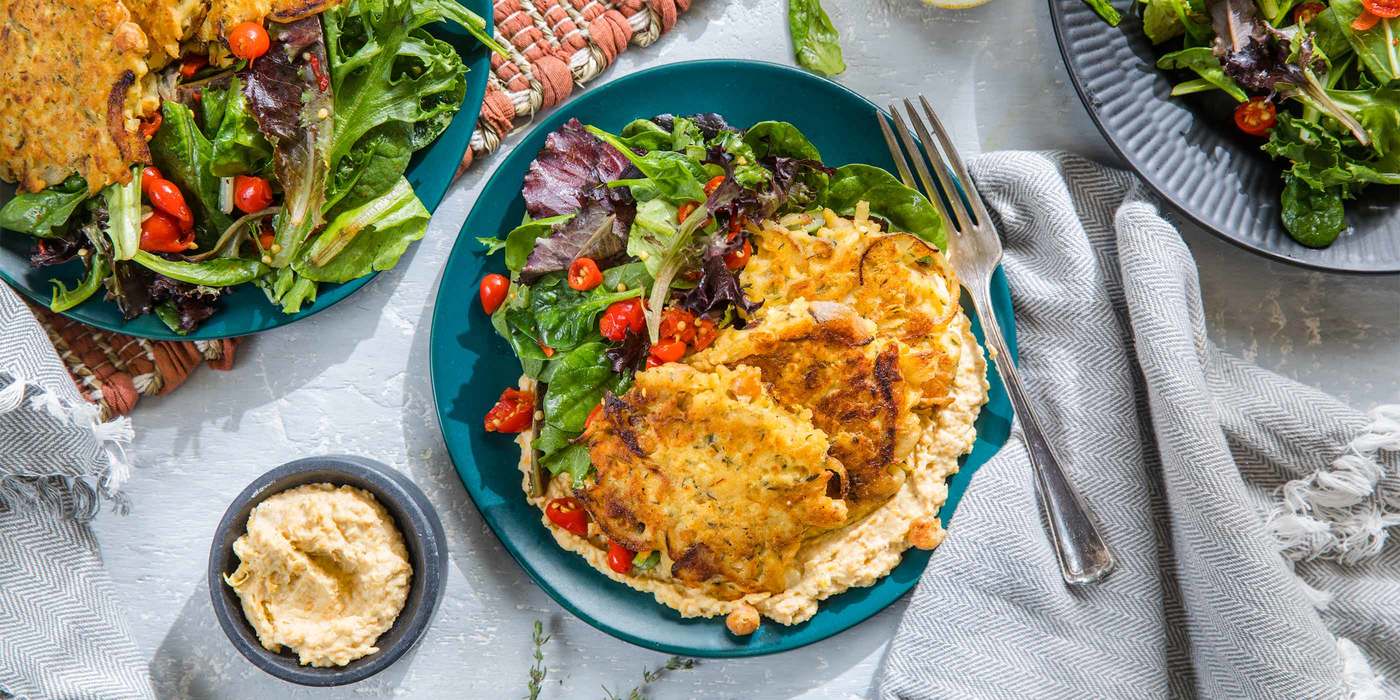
(115, 370)
(554, 45)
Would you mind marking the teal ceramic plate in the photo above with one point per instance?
(470, 364)
(247, 310)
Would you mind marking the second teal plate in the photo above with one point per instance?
(470, 364)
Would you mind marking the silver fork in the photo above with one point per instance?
(974, 250)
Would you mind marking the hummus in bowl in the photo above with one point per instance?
(323, 572)
(326, 570)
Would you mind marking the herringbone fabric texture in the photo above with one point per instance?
(1178, 448)
(62, 634)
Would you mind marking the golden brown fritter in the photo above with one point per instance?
(707, 468)
(824, 357)
(225, 14)
(167, 23)
(897, 281)
(69, 92)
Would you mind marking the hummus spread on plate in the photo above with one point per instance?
(323, 571)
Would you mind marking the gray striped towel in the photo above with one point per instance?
(1248, 512)
(62, 633)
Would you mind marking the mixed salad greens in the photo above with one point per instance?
(630, 252)
(1333, 66)
(282, 168)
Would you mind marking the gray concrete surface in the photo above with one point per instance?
(354, 379)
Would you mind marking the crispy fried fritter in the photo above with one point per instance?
(896, 280)
(707, 468)
(824, 357)
(225, 14)
(69, 91)
(167, 23)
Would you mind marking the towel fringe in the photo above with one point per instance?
(1360, 681)
(76, 497)
(1337, 513)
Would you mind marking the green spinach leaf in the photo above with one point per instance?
(565, 317)
(669, 175)
(815, 40)
(772, 138)
(44, 213)
(1312, 217)
(904, 208)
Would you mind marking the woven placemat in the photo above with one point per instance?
(553, 44)
(115, 370)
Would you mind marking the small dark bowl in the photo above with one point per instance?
(422, 534)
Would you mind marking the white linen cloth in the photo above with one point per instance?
(1214, 481)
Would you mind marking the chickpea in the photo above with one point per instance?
(743, 620)
(926, 533)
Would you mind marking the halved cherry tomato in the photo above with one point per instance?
(1385, 9)
(149, 173)
(248, 40)
(512, 412)
(266, 238)
(684, 211)
(584, 274)
(668, 350)
(620, 317)
(714, 184)
(160, 233)
(592, 416)
(739, 257)
(548, 351)
(251, 193)
(493, 289)
(1365, 21)
(1305, 12)
(150, 126)
(653, 362)
(677, 324)
(191, 63)
(619, 557)
(1256, 117)
(705, 332)
(166, 197)
(569, 514)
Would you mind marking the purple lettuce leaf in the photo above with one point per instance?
(598, 231)
(193, 304)
(572, 163)
(718, 288)
(709, 123)
(631, 354)
(289, 94)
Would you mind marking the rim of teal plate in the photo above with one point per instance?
(430, 172)
(863, 610)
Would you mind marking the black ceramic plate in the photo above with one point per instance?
(1189, 151)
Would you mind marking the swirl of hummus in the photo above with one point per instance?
(323, 572)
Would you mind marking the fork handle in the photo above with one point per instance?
(1084, 558)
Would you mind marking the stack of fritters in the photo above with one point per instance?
(799, 423)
